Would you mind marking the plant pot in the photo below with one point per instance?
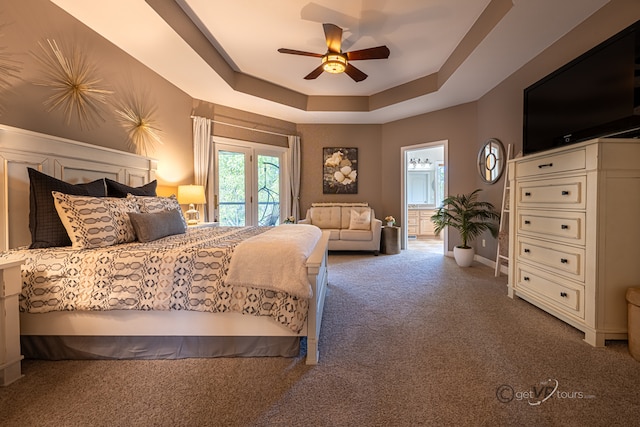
(463, 256)
(390, 223)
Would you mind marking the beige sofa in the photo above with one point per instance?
(353, 227)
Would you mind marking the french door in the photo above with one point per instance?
(250, 184)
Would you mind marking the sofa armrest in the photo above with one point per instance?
(376, 226)
(304, 221)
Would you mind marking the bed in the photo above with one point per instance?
(125, 326)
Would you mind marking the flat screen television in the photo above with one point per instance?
(595, 95)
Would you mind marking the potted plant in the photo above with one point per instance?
(470, 217)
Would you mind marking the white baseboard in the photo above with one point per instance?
(482, 260)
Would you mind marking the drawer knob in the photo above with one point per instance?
(527, 193)
(563, 294)
(545, 165)
(565, 193)
(527, 221)
(564, 227)
(526, 251)
(526, 278)
(564, 260)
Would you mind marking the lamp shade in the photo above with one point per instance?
(191, 194)
(334, 63)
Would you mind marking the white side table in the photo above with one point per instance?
(10, 288)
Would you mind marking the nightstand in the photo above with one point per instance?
(390, 240)
(10, 288)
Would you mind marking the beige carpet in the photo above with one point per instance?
(408, 339)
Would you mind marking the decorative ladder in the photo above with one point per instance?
(503, 234)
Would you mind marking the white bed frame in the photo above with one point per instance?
(77, 162)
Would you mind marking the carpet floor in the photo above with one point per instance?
(408, 339)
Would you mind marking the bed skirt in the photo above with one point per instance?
(159, 347)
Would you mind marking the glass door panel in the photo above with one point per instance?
(232, 187)
(249, 185)
(268, 190)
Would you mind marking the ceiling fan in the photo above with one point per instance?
(335, 61)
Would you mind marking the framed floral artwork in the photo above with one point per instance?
(340, 170)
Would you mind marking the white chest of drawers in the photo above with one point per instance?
(576, 233)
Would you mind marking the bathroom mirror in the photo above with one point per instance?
(491, 160)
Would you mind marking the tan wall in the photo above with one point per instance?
(28, 22)
(457, 125)
(265, 131)
(314, 137)
(500, 112)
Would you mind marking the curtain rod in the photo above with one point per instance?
(247, 128)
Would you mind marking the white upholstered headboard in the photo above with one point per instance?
(70, 161)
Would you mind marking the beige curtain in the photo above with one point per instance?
(294, 168)
(201, 156)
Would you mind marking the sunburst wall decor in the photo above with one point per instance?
(137, 118)
(73, 83)
(9, 68)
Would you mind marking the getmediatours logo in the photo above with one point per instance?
(538, 394)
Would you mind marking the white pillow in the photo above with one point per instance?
(360, 221)
(95, 222)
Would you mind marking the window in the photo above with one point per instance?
(250, 183)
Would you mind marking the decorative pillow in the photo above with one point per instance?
(115, 189)
(94, 222)
(153, 226)
(44, 224)
(360, 221)
(157, 204)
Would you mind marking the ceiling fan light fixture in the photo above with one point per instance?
(334, 63)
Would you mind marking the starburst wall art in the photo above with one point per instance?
(10, 69)
(137, 117)
(73, 83)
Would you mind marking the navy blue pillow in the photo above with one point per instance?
(115, 189)
(44, 223)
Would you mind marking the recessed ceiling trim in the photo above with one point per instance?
(178, 19)
(338, 103)
(487, 21)
(413, 89)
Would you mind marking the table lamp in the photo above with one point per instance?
(191, 195)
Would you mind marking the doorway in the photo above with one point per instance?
(424, 185)
(249, 183)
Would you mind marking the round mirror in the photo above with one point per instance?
(491, 160)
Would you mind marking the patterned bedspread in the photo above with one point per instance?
(181, 272)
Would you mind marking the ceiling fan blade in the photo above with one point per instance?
(354, 73)
(315, 73)
(333, 34)
(380, 52)
(299, 52)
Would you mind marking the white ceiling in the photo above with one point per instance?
(421, 35)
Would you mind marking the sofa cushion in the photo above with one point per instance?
(326, 217)
(357, 235)
(346, 214)
(334, 234)
(360, 221)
